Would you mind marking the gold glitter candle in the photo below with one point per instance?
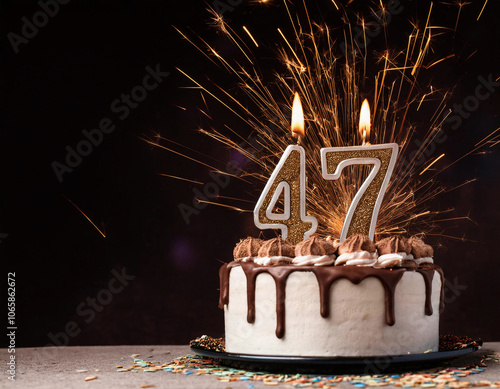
(362, 215)
(289, 178)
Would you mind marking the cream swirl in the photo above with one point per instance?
(392, 259)
(316, 260)
(357, 258)
(245, 259)
(419, 261)
(272, 261)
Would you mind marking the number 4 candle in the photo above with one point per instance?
(289, 178)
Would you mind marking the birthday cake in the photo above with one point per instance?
(324, 298)
(303, 295)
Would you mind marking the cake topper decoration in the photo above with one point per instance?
(362, 215)
(289, 178)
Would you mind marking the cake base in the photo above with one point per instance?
(335, 365)
(329, 311)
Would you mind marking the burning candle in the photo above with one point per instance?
(298, 127)
(362, 215)
(289, 178)
(364, 122)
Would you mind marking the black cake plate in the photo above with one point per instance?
(327, 365)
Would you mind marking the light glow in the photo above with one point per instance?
(297, 117)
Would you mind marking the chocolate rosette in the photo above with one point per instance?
(275, 252)
(247, 249)
(315, 251)
(423, 253)
(395, 251)
(357, 250)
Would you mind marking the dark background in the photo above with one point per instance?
(64, 80)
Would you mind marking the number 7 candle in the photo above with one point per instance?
(289, 178)
(362, 215)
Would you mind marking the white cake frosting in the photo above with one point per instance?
(355, 326)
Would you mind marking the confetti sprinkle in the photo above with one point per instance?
(206, 342)
(94, 377)
(453, 342)
(449, 377)
(446, 377)
(446, 343)
(82, 371)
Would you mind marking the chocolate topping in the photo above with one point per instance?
(276, 247)
(248, 247)
(409, 264)
(428, 275)
(419, 249)
(393, 244)
(356, 243)
(326, 276)
(315, 246)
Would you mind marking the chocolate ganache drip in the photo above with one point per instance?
(326, 276)
(428, 275)
(356, 274)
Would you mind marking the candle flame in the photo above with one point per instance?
(364, 122)
(297, 117)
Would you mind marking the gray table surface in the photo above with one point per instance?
(57, 368)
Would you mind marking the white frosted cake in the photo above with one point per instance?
(321, 298)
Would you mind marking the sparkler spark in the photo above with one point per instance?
(181, 178)
(432, 163)
(224, 205)
(251, 36)
(331, 86)
(86, 217)
(482, 9)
